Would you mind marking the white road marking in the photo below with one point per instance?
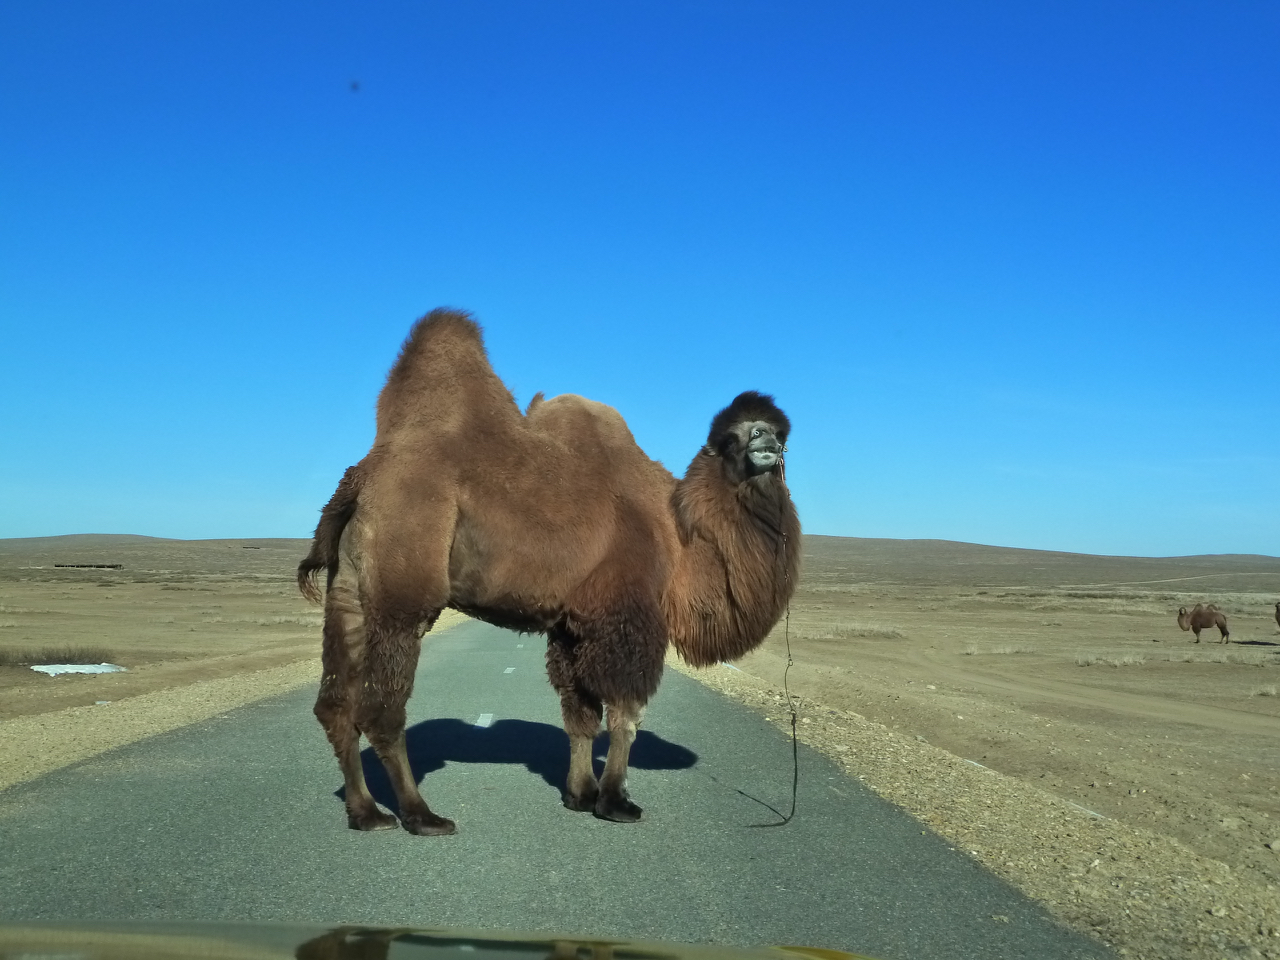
(484, 720)
(1092, 813)
(509, 670)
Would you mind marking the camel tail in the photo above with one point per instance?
(324, 546)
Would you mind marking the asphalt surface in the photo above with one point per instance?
(239, 818)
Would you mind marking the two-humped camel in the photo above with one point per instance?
(552, 521)
(1201, 617)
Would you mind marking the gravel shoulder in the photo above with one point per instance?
(36, 745)
(1145, 893)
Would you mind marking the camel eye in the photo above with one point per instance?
(755, 433)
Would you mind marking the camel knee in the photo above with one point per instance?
(624, 720)
(581, 721)
(581, 711)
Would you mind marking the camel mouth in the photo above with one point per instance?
(764, 459)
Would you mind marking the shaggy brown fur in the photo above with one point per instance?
(552, 521)
(1201, 617)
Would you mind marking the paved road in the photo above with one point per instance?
(237, 818)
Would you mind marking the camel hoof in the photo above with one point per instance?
(428, 825)
(618, 809)
(371, 820)
(582, 803)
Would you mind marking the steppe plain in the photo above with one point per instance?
(1041, 710)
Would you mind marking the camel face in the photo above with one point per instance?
(764, 449)
(750, 439)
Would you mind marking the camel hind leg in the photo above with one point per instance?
(343, 661)
(371, 647)
(402, 570)
(391, 657)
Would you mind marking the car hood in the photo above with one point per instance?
(274, 941)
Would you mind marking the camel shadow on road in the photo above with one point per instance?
(539, 747)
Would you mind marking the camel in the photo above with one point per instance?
(1278, 613)
(551, 521)
(1202, 617)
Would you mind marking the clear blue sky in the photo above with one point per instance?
(1012, 269)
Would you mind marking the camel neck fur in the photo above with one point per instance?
(738, 563)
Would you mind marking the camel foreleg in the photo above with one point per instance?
(582, 713)
(614, 803)
(581, 789)
(613, 658)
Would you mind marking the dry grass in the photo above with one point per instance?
(854, 631)
(1091, 659)
(1249, 658)
(66, 654)
(1003, 649)
(1110, 606)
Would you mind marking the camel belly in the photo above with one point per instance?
(518, 581)
(510, 617)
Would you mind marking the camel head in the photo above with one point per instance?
(1184, 618)
(749, 436)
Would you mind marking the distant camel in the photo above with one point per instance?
(552, 521)
(1202, 617)
(1278, 613)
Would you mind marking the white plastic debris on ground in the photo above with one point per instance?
(53, 669)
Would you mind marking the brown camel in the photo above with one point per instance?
(552, 521)
(1278, 613)
(1202, 617)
